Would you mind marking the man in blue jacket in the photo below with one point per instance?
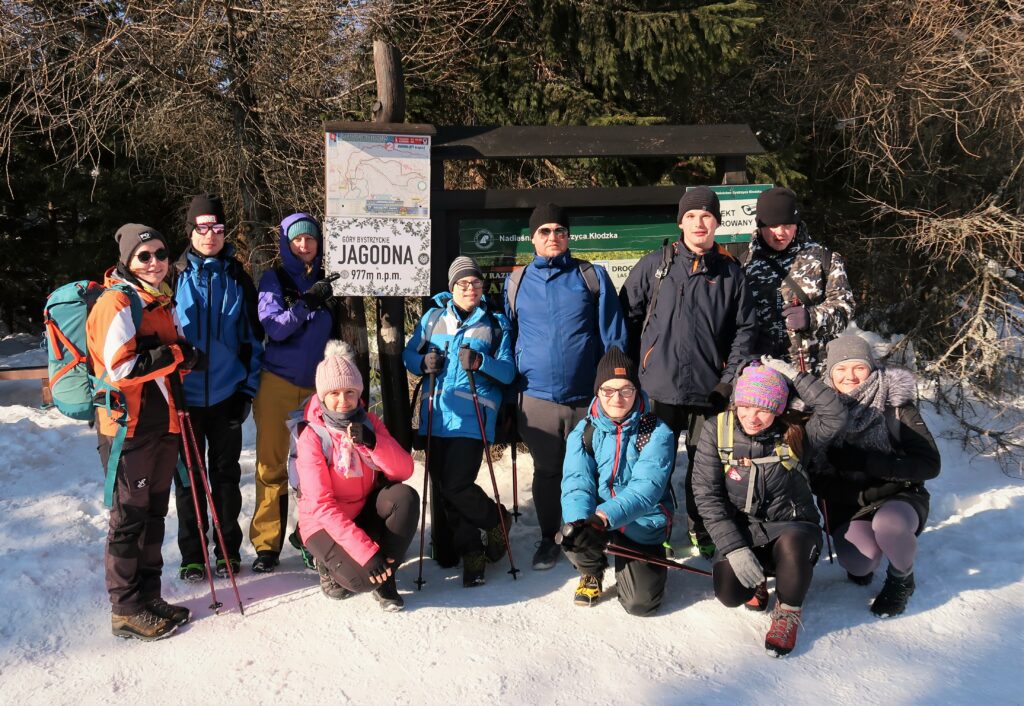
(216, 303)
(691, 325)
(566, 315)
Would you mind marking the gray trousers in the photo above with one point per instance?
(641, 586)
(545, 426)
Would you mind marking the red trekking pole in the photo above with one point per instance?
(490, 467)
(426, 477)
(193, 461)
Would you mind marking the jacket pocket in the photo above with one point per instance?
(647, 353)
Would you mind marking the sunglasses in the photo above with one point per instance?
(145, 256)
(559, 232)
(217, 228)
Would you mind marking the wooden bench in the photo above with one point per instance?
(31, 373)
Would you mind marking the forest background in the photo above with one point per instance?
(900, 123)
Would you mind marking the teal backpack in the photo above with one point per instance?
(76, 391)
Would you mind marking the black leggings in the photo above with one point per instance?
(790, 558)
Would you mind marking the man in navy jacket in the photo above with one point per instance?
(566, 315)
(691, 325)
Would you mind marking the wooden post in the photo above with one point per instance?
(394, 383)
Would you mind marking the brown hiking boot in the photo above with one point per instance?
(177, 614)
(473, 566)
(331, 588)
(144, 625)
(495, 548)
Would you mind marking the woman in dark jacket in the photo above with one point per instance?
(872, 486)
(754, 496)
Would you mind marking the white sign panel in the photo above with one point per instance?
(739, 207)
(378, 257)
(375, 175)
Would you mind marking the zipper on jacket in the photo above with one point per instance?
(209, 338)
(615, 466)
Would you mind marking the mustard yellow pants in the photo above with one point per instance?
(276, 399)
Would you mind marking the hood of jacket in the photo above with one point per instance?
(293, 265)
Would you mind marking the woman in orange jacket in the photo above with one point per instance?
(138, 360)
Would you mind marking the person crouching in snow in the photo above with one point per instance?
(355, 514)
(754, 496)
(615, 486)
(873, 484)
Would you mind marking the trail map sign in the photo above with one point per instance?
(377, 229)
(616, 242)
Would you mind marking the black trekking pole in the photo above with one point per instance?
(515, 475)
(490, 467)
(192, 455)
(426, 476)
(828, 530)
(628, 553)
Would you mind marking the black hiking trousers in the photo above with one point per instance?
(640, 586)
(218, 428)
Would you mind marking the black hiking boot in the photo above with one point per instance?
(192, 573)
(759, 601)
(861, 580)
(177, 614)
(388, 597)
(331, 588)
(144, 625)
(892, 599)
(546, 555)
(265, 562)
(473, 565)
(222, 567)
(496, 547)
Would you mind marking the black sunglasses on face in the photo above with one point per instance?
(145, 255)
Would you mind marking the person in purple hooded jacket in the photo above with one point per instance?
(295, 310)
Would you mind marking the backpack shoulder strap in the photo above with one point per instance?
(725, 424)
(588, 438)
(590, 277)
(512, 289)
(496, 332)
(644, 429)
(892, 423)
(428, 329)
(668, 254)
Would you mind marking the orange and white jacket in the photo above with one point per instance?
(114, 350)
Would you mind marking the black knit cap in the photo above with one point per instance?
(548, 213)
(699, 199)
(615, 365)
(131, 235)
(778, 207)
(203, 205)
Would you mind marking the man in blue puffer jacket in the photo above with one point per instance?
(615, 486)
(562, 330)
(465, 336)
(295, 310)
(216, 303)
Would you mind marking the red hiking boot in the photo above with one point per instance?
(781, 637)
(759, 601)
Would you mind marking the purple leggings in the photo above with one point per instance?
(861, 544)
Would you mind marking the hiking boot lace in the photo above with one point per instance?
(784, 624)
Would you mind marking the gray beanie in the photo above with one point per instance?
(462, 266)
(699, 199)
(131, 235)
(848, 347)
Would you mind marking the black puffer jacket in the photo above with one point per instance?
(856, 482)
(702, 327)
(779, 494)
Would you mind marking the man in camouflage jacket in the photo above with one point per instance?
(801, 294)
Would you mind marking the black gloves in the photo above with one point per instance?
(719, 397)
(378, 567)
(797, 317)
(317, 295)
(433, 362)
(470, 359)
(362, 435)
(583, 535)
(193, 358)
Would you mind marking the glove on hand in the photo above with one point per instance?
(362, 435)
(192, 357)
(378, 567)
(797, 317)
(317, 295)
(470, 359)
(718, 398)
(788, 370)
(591, 533)
(746, 567)
(433, 362)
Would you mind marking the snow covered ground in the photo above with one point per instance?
(514, 642)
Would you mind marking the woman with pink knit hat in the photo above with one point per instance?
(355, 515)
(754, 497)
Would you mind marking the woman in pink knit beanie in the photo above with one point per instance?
(356, 516)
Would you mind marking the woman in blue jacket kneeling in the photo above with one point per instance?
(615, 487)
(458, 338)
